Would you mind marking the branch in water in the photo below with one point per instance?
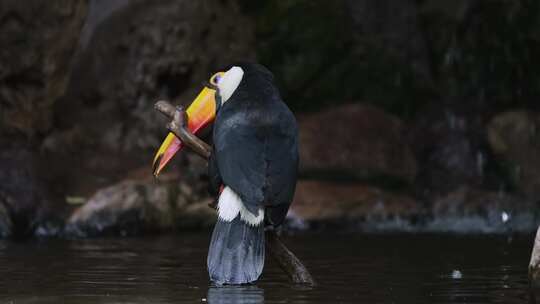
(292, 265)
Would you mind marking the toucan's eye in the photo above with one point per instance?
(214, 80)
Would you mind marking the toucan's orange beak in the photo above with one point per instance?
(200, 113)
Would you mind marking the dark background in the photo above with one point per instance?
(414, 115)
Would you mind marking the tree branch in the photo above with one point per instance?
(297, 272)
(294, 268)
(178, 127)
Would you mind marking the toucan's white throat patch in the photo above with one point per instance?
(229, 82)
(230, 205)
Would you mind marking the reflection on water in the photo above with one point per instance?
(235, 294)
(349, 269)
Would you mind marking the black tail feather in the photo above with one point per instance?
(236, 254)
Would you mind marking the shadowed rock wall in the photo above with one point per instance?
(38, 41)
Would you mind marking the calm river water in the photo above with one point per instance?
(350, 268)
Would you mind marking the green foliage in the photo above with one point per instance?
(493, 57)
(484, 53)
(305, 44)
(310, 46)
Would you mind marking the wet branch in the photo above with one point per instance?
(292, 265)
(294, 268)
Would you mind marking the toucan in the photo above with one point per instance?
(252, 165)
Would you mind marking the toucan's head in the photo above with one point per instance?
(201, 112)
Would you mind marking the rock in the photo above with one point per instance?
(368, 208)
(352, 203)
(515, 137)
(38, 44)
(138, 52)
(133, 53)
(196, 215)
(5, 222)
(357, 140)
(24, 190)
(467, 210)
(448, 146)
(77, 93)
(136, 206)
(39, 39)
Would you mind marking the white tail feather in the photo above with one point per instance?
(230, 205)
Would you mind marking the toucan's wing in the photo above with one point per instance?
(240, 159)
(257, 154)
(282, 160)
(214, 177)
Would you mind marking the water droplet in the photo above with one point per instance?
(505, 217)
(480, 163)
(456, 275)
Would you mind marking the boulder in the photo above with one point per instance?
(368, 208)
(136, 206)
(515, 138)
(467, 210)
(22, 190)
(358, 140)
(5, 222)
(449, 149)
(352, 203)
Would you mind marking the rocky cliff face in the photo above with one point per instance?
(77, 85)
(133, 53)
(141, 52)
(38, 42)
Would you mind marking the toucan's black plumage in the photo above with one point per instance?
(255, 154)
(256, 145)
